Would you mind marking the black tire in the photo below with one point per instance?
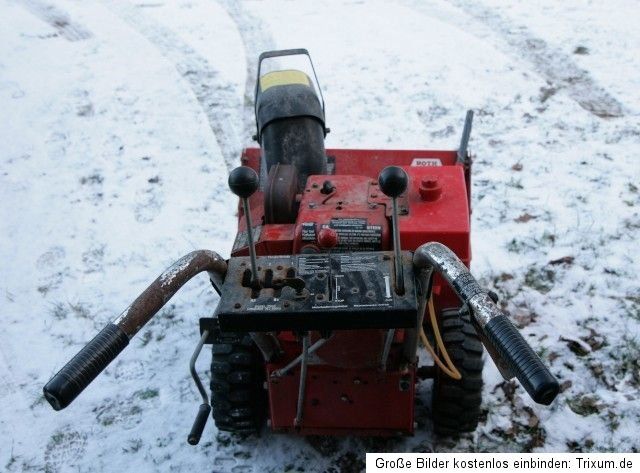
(456, 403)
(238, 398)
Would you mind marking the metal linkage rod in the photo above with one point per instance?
(387, 348)
(192, 367)
(303, 380)
(296, 361)
(205, 408)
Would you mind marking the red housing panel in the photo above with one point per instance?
(346, 393)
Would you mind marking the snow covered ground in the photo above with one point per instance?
(120, 121)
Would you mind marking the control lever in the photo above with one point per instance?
(393, 182)
(243, 182)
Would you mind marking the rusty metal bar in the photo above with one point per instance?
(89, 362)
(160, 291)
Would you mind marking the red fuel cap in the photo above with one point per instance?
(327, 238)
(430, 188)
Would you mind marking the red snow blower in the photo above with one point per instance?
(344, 262)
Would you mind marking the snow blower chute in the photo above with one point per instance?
(344, 261)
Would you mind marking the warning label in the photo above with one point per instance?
(356, 234)
(308, 231)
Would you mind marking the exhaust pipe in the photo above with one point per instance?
(502, 340)
(91, 360)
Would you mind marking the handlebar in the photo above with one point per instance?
(536, 379)
(504, 340)
(83, 368)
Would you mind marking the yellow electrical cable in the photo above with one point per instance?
(449, 370)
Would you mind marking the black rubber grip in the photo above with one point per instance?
(534, 376)
(198, 424)
(78, 373)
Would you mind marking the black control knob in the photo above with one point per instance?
(393, 181)
(243, 181)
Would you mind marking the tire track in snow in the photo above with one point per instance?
(58, 19)
(218, 100)
(256, 40)
(555, 66)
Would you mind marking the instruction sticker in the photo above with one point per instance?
(313, 264)
(356, 234)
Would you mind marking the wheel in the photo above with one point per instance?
(456, 403)
(238, 398)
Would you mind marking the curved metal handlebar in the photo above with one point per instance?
(503, 338)
(83, 368)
